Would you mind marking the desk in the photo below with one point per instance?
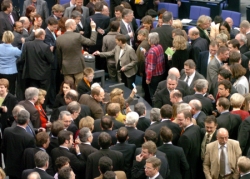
(215, 7)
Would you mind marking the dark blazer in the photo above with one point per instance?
(73, 128)
(203, 132)
(43, 174)
(246, 176)
(34, 114)
(85, 13)
(207, 106)
(135, 136)
(178, 164)
(202, 63)
(196, 77)
(231, 122)
(86, 150)
(124, 31)
(51, 41)
(203, 35)
(128, 151)
(17, 40)
(53, 144)
(200, 119)
(15, 138)
(190, 141)
(97, 125)
(29, 160)
(34, 130)
(93, 160)
(83, 88)
(244, 61)
(6, 118)
(95, 142)
(198, 45)
(161, 98)
(5, 23)
(158, 177)
(243, 136)
(143, 123)
(178, 59)
(244, 49)
(37, 58)
(77, 163)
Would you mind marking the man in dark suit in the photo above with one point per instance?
(198, 44)
(198, 115)
(57, 12)
(31, 96)
(178, 164)
(227, 120)
(233, 31)
(77, 162)
(7, 18)
(50, 39)
(208, 134)
(243, 165)
(126, 149)
(190, 141)
(18, 34)
(93, 159)
(135, 135)
(189, 75)
(42, 163)
(242, 39)
(69, 51)
(155, 164)
(37, 57)
(143, 122)
(203, 23)
(42, 143)
(20, 140)
(206, 57)
(243, 136)
(201, 87)
(86, 138)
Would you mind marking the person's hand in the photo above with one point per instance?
(41, 129)
(77, 140)
(211, 97)
(81, 32)
(147, 81)
(134, 91)
(169, 57)
(141, 2)
(128, 109)
(179, 3)
(96, 53)
(143, 50)
(86, 53)
(123, 68)
(4, 108)
(58, 33)
(92, 24)
(139, 158)
(77, 148)
(131, 35)
(51, 48)
(101, 31)
(23, 40)
(48, 124)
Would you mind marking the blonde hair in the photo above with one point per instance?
(115, 92)
(42, 93)
(177, 24)
(8, 37)
(179, 42)
(237, 100)
(87, 122)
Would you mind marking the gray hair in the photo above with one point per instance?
(16, 109)
(84, 134)
(167, 16)
(196, 104)
(72, 94)
(132, 118)
(242, 37)
(74, 106)
(75, 14)
(140, 108)
(39, 32)
(183, 107)
(34, 175)
(31, 92)
(201, 84)
(153, 38)
(41, 158)
(22, 117)
(94, 85)
(223, 37)
(155, 115)
(64, 113)
(245, 24)
(68, 23)
(125, 12)
(172, 77)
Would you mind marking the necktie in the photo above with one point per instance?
(28, 129)
(211, 57)
(54, 35)
(208, 139)
(10, 19)
(187, 79)
(129, 30)
(222, 161)
(182, 131)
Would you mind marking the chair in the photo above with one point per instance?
(64, 1)
(138, 22)
(170, 7)
(197, 11)
(108, 2)
(155, 23)
(100, 74)
(236, 16)
(118, 85)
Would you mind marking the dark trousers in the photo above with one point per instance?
(20, 87)
(43, 84)
(146, 90)
(154, 83)
(51, 96)
(12, 82)
(128, 80)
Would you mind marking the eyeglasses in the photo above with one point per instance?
(148, 168)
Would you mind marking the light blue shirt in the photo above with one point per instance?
(8, 57)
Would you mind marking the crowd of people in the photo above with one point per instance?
(196, 80)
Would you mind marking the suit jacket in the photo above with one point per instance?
(86, 150)
(231, 122)
(77, 163)
(213, 70)
(34, 130)
(41, 8)
(135, 136)
(203, 141)
(198, 45)
(243, 49)
(43, 174)
(85, 13)
(5, 23)
(97, 125)
(161, 98)
(93, 159)
(15, 138)
(124, 31)
(83, 88)
(247, 176)
(202, 63)
(243, 136)
(200, 119)
(95, 142)
(143, 123)
(53, 144)
(29, 160)
(51, 41)
(128, 59)
(196, 77)
(94, 106)
(119, 174)
(178, 164)
(17, 40)
(244, 61)
(37, 58)
(128, 151)
(207, 106)
(190, 141)
(203, 35)
(73, 128)
(34, 114)
(158, 177)
(211, 162)
(69, 51)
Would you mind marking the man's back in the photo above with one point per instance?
(165, 35)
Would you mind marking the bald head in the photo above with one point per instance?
(193, 33)
(222, 136)
(25, 21)
(40, 34)
(230, 21)
(174, 71)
